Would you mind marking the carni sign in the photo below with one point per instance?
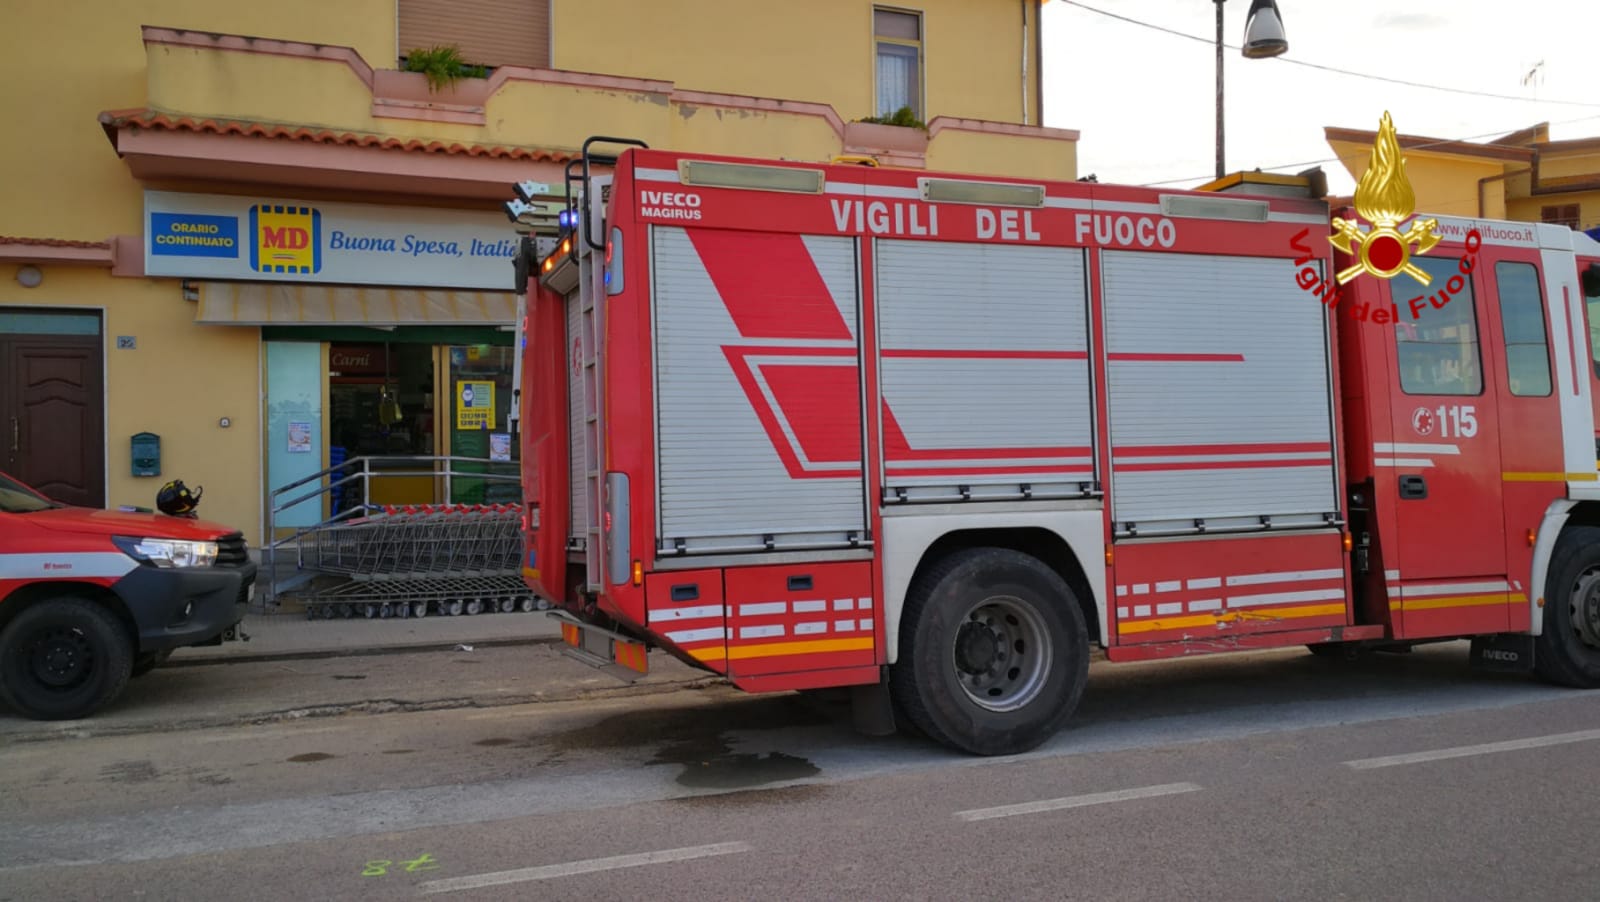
(223, 237)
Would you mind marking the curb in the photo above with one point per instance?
(368, 706)
(202, 659)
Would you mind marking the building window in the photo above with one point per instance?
(1522, 320)
(488, 32)
(1438, 351)
(1560, 214)
(898, 39)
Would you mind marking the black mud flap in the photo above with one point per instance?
(1502, 653)
(871, 712)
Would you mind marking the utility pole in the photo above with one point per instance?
(1221, 167)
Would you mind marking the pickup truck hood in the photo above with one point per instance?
(118, 523)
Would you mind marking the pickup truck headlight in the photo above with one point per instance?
(169, 552)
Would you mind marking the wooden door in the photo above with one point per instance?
(52, 410)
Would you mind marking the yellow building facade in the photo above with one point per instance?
(1523, 176)
(245, 242)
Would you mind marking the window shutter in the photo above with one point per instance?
(489, 32)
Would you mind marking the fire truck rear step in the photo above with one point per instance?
(609, 652)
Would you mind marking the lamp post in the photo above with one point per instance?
(1263, 37)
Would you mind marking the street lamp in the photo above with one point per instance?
(1263, 37)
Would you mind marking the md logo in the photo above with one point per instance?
(285, 239)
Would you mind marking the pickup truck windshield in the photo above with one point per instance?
(16, 498)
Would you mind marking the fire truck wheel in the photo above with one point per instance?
(63, 659)
(1567, 652)
(994, 652)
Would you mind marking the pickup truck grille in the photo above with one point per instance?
(232, 550)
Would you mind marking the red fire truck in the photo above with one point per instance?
(934, 436)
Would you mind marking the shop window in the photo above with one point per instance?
(1522, 321)
(1438, 351)
(381, 399)
(898, 43)
(487, 32)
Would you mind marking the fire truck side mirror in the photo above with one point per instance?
(1591, 281)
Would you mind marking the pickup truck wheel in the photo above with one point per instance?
(1567, 651)
(148, 661)
(63, 659)
(994, 652)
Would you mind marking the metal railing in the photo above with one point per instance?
(354, 479)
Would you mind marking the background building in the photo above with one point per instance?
(1523, 176)
(243, 242)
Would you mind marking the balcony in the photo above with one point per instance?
(236, 109)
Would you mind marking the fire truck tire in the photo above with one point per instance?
(1567, 651)
(63, 659)
(994, 652)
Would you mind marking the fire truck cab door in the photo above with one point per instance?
(1445, 453)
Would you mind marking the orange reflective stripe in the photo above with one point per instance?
(816, 647)
(1261, 615)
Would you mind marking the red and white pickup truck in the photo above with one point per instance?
(89, 598)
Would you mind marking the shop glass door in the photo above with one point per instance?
(480, 381)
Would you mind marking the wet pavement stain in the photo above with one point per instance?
(699, 727)
(698, 740)
(495, 741)
(743, 771)
(311, 756)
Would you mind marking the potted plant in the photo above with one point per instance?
(441, 66)
(901, 133)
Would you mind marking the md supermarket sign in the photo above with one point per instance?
(278, 240)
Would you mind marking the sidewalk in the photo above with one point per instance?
(256, 690)
(291, 635)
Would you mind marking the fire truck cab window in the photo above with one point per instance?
(1591, 300)
(1438, 351)
(1522, 320)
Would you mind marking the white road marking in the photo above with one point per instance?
(1097, 798)
(1464, 751)
(587, 866)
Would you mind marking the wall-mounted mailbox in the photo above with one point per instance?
(146, 454)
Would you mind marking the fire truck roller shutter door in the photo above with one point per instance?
(1219, 391)
(758, 390)
(985, 367)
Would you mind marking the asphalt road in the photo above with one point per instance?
(1269, 776)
